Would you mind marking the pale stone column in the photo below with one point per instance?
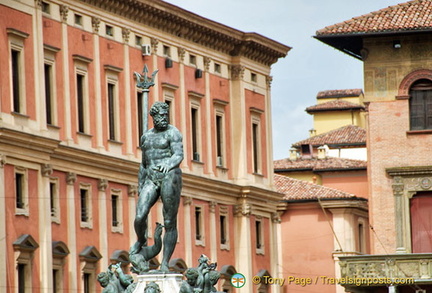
(127, 94)
(66, 74)
(71, 232)
(132, 192)
(45, 232)
(184, 111)
(238, 123)
(213, 242)
(269, 138)
(243, 243)
(208, 117)
(276, 248)
(103, 223)
(97, 83)
(398, 190)
(187, 201)
(38, 52)
(3, 244)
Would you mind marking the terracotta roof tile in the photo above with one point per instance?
(413, 15)
(336, 105)
(348, 135)
(294, 189)
(339, 93)
(315, 164)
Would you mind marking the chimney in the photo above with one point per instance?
(322, 152)
(293, 154)
(312, 132)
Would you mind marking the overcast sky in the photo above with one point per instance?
(310, 67)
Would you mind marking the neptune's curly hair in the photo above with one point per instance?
(157, 106)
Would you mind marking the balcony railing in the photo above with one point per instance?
(413, 268)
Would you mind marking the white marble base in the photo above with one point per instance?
(168, 283)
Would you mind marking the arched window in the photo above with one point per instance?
(421, 105)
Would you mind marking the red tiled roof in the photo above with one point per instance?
(294, 189)
(336, 105)
(410, 16)
(346, 135)
(339, 93)
(315, 164)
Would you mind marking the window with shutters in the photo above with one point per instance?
(421, 105)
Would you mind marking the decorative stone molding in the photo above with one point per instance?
(64, 10)
(154, 44)
(237, 72)
(102, 184)
(181, 54)
(2, 160)
(242, 210)
(95, 24)
(275, 217)
(411, 78)
(269, 80)
(125, 35)
(46, 170)
(132, 190)
(38, 3)
(207, 61)
(187, 200)
(212, 206)
(403, 266)
(71, 178)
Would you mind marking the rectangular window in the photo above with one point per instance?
(255, 147)
(219, 140)
(48, 94)
(84, 205)
(111, 111)
(166, 51)
(109, 30)
(80, 102)
(361, 238)
(223, 229)
(114, 210)
(19, 191)
(258, 235)
(16, 80)
(192, 59)
(198, 224)
(21, 278)
(45, 7)
(194, 122)
(138, 40)
(55, 279)
(217, 68)
(253, 77)
(87, 280)
(168, 102)
(140, 116)
(53, 200)
(78, 19)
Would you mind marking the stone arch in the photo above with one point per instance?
(403, 92)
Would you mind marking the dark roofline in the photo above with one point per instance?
(305, 200)
(352, 43)
(335, 109)
(321, 170)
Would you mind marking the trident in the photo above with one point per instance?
(145, 84)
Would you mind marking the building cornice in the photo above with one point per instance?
(194, 28)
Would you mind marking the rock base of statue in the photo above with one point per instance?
(168, 283)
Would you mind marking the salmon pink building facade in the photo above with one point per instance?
(70, 123)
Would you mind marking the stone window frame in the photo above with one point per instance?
(195, 104)
(256, 120)
(25, 247)
(118, 194)
(50, 60)
(81, 64)
(89, 223)
(55, 214)
(219, 111)
(406, 182)
(223, 211)
(24, 211)
(169, 91)
(16, 40)
(404, 89)
(259, 238)
(112, 78)
(201, 240)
